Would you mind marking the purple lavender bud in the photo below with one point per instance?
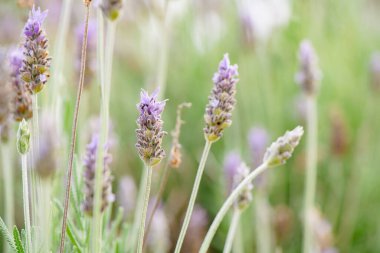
(89, 177)
(46, 160)
(309, 74)
(375, 71)
(231, 164)
(22, 100)
(36, 62)
(111, 8)
(258, 141)
(150, 133)
(91, 64)
(5, 89)
(221, 101)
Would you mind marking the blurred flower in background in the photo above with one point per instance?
(126, 196)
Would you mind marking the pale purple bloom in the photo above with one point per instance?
(89, 177)
(258, 139)
(126, 195)
(309, 74)
(22, 100)
(232, 162)
(245, 196)
(375, 71)
(221, 101)
(36, 61)
(150, 133)
(5, 89)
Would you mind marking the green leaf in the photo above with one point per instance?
(73, 240)
(18, 242)
(8, 237)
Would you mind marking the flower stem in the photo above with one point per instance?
(144, 211)
(139, 207)
(74, 128)
(311, 171)
(164, 180)
(227, 204)
(8, 187)
(25, 191)
(232, 231)
(193, 197)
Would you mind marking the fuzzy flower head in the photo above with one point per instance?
(89, 177)
(245, 197)
(21, 104)
(282, 149)
(309, 74)
(258, 141)
(111, 8)
(36, 62)
(149, 132)
(221, 101)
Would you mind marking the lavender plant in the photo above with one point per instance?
(308, 78)
(149, 144)
(218, 117)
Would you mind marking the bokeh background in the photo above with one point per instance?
(263, 38)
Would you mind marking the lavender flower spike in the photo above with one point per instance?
(282, 149)
(309, 73)
(36, 63)
(221, 101)
(89, 177)
(22, 100)
(232, 162)
(150, 133)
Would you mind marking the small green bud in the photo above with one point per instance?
(23, 137)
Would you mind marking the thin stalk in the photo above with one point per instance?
(6, 157)
(227, 205)
(25, 193)
(263, 223)
(232, 231)
(145, 208)
(34, 154)
(139, 207)
(193, 197)
(311, 171)
(45, 214)
(74, 129)
(163, 182)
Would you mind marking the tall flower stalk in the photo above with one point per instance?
(308, 78)
(149, 146)
(217, 117)
(277, 154)
(74, 128)
(23, 145)
(110, 10)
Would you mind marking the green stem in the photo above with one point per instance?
(311, 171)
(164, 180)
(25, 193)
(193, 196)
(232, 231)
(45, 214)
(227, 204)
(8, 188)
(96, 231)
(144, 211)
(139, 207)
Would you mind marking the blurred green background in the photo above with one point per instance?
(345, 34)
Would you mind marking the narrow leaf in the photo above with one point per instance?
(8, 237)
(17, 239)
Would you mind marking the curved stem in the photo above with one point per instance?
(164, 180)
(311, 171)
(25, 193)
(227, 204)
(74, 129)
(8, 188)
(144, 211)
(232, 231)
(193, 197)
